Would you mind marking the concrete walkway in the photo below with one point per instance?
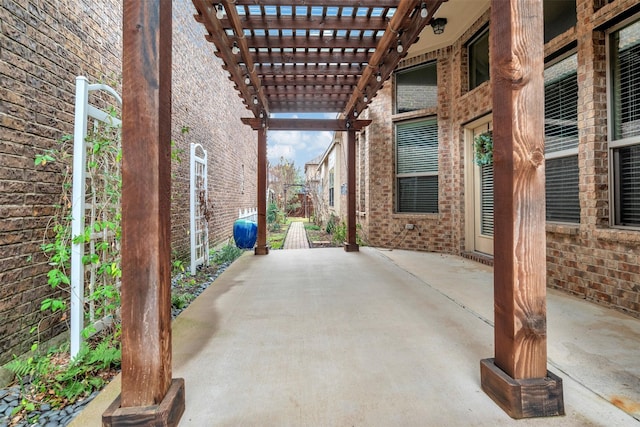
(296, 237)
(378, 338)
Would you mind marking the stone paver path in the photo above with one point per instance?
(296, 237)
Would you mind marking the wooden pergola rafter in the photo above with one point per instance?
(302, 51)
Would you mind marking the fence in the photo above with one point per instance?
(248, 214)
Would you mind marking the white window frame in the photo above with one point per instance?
(613, 145)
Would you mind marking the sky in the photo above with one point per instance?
(298, 146)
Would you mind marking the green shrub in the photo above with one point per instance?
(228, 253)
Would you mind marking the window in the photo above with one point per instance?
(624, 124)
(478, 51)
(559, 16)
(331, 185)
(416, 88)
(561, 140)
(417, 166)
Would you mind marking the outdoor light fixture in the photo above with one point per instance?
(423, 10)
(255, 100)
(261, 115)
(355, 112)
(365, 98)
(247, 80)
(378, 77)
(399, 48)
(236, 50)
(219, 11)
(438, 25)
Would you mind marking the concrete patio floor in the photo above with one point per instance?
(322, 337)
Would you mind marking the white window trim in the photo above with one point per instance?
(612, 144)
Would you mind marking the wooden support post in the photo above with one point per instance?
(261, 245)
(351, 244)
(517, 379)
(148, 393)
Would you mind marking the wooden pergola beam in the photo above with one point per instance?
(149, 395)
(306, 124)
(517, 379)
(309, 80)
(314, 70)
(207, 15)
(310, 42)
(335, 56)
(294, 90)
(333, 3)
(386, 50)
(315, 22)
(262, 104)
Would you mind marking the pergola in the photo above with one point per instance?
(329, 56)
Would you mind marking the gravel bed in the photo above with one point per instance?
(50, 417)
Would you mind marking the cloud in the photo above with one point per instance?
(298, 146)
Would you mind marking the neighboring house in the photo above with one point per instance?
(44, 47)
(420, 189)
(331, 175)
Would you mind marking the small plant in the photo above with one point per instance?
(339, 234)
(63, 381)
(228, 253)
(178, 266)
(332, 222)
(274, 217)
(181, 301)
(483, 149)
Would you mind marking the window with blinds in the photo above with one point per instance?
(416, 88)
(486, 200)
(561, 141)
(417, 166)
(625, 123)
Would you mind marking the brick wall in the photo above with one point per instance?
(205, 102)
(43, 47)
(590, 260)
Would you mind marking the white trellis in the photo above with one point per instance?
(198, 199)
(79, 206)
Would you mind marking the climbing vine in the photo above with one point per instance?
(102, 231)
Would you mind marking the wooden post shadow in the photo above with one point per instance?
(517, 378)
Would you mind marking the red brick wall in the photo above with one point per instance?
(43, 47)
(591, 259)
(204, 101)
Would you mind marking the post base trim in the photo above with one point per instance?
(165, 414)
(351, 247)
(261, 250)
(522, 398)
